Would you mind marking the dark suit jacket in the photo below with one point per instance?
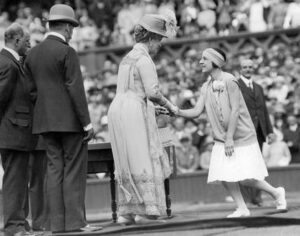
(294, 137)
(56, 87)
(256, 105)
(15, 106)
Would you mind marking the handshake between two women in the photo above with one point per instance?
(168, 109)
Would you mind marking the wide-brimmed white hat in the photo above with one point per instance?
(154, 23)
(63, 13)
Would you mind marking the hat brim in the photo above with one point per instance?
(147, 27)
(60, 18)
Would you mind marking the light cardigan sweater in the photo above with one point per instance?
(218, 109)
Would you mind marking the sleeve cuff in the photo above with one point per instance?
(88, 127)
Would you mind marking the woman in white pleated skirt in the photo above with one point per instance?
(236, 156)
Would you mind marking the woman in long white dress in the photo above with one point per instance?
(141, 163)
(236, 156)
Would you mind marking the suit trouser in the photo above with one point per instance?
(37, 189)
(251, 194)
(66, 180)
(15, 184)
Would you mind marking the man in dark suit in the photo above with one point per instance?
(36, 197)
(254, 98)
(61, 116)
(16, 139)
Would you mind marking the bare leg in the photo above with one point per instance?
(277, 193)
(262, 185)
(234, 190)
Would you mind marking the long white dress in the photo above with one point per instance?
(141, 163)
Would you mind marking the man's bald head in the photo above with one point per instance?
(13, 32)
(247, 68)
(17, 38)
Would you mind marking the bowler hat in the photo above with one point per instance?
(63, 13)
(154, 23)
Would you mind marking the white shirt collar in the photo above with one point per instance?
(55, 34)
(246, 81)
(141, 46)
(13, 52)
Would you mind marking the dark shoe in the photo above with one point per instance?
(38, 229)
(258, 203)
(58, 232)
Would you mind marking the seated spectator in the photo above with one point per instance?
(198, 137)
(188, 12)
(4, 23)
(279, 90)
(291, 136)
(89, 32)
(103, 135)
(207, 18)
(292, 18)
(104, 36)
(276, 153)
(95, 111)
(257, 22)
(187, 156)
(277, 14)
(224, 19)
(120, 37)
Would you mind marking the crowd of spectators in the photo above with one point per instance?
(111, 22)
(277, 71)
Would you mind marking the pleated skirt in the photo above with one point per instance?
(245, 163)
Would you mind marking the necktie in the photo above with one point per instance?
(250, 85)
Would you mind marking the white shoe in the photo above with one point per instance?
(280, 199)
(239, 213)
(125, 221)
(90, 228)
(142, 220)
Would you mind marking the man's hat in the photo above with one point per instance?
(63, 13)
(154, 23)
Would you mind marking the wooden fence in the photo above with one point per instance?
(93, 59)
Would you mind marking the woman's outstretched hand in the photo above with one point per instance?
(229, 148)
(174, 110)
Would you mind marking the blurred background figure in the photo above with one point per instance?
(187, 156)
(276, 153)
(291, 136)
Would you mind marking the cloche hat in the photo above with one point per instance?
(64, 13)
(154, 23)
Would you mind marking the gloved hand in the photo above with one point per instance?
(88, 135)
(161, 111)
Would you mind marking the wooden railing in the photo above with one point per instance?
(193, 187)
(235, 44)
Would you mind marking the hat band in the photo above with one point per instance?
(214, 56)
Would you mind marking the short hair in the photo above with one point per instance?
(141, 35)
(57, 25)
(223, 55)
(12, 32)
